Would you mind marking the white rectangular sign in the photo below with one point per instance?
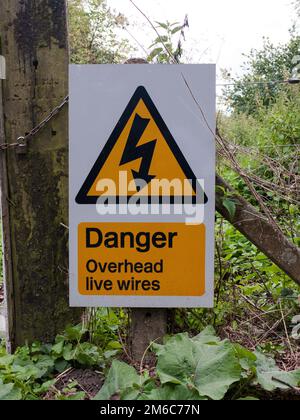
(142, 185)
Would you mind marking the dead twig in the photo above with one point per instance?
(286, 330)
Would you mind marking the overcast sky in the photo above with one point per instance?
(220, 30)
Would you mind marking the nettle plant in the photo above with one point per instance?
(167, 46)
(198, 368)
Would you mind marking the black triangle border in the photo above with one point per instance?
(140, 93)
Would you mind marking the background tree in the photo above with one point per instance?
(93, 33)
(263, 70)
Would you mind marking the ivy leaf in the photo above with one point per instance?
(120, 378)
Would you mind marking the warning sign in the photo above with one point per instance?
(142, 185)
(152, 259)
(140, 153)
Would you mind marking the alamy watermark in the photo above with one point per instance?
(158, 197)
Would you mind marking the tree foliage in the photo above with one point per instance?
(265, 69)
(93, 33)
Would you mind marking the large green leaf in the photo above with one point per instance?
(207, 336)
(217, 369)
(9, 392)
(120, 378)
(169, 392)
(246, 357)
(176, 360)
(210, 368)
(270, 377)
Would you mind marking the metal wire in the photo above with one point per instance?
(22, 140)
(266, 82)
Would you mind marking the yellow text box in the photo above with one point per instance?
(141, 259)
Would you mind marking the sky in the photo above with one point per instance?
(220, 30)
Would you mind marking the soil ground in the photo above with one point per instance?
(86, 380)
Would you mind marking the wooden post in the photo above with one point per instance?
(146, 324)
(35, 182)
(6, 244)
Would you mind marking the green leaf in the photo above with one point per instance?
(110, 353)
(169, 392)
(41, 389)
(159, 40)
(69, 352)
(230, 206)
(9, 392)
(114, 345)
(74, 333)
(30, 371)
(61, 365)
(162, 25)
(210, 368)
(246, 357)
(120, 377)
(207, 336)
(6, 361)
(217, 369)
(177, 29)
(58, 348)
(270, 377)
(176, 360)
(154, 53)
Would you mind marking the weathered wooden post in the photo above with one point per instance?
(35, 175)
(146, 324)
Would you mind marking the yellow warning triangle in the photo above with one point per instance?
(141, 153)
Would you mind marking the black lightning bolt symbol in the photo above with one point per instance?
(145, 152)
